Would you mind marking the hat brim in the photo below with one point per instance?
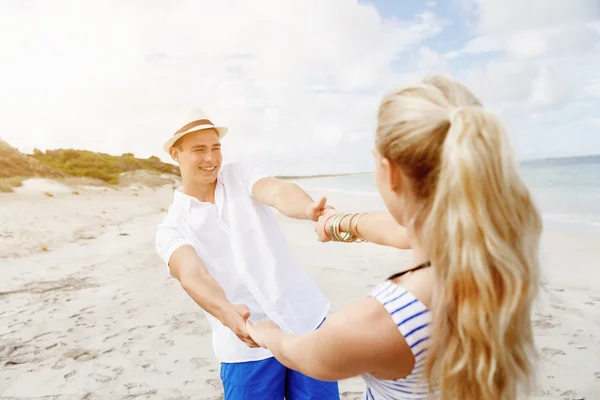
(221, 131)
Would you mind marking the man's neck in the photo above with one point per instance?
(203, 192)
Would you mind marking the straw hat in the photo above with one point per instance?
(194, 120)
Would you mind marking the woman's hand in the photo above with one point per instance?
(320, 225)
(262, 331)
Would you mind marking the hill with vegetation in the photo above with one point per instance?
(16, 166)
(13, 164)
(106, 167)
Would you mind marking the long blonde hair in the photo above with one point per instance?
(481, 230)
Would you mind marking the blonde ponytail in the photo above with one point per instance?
(481, 231)
(482, 235)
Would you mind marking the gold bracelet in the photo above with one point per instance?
(325, 227)
(333, 227)
(356, 233)
(349, 237)
(353, 234)
(337, 233)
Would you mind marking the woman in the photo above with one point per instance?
(457, 324)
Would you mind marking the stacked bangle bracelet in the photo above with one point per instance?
(350, 234)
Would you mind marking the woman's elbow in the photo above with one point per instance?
(315, 367)
(316, 371)
(303, 361)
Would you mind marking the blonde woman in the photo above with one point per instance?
(457, 324)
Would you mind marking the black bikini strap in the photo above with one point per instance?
(415, 268)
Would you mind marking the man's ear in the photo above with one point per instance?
(174, 152)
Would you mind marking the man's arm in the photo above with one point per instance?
(193, 276)
(288, 198)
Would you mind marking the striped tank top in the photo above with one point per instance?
(413, 320)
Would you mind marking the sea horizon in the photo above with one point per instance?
(578, 159)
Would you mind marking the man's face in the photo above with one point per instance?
(199, 155)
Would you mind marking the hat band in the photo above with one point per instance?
(193, 124)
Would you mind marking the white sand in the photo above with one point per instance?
(88, 311)
(42, 186)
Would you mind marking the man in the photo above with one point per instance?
(221, 241)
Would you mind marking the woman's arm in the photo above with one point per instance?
(361, 339)
(378, 227)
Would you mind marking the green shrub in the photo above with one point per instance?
(106, 167)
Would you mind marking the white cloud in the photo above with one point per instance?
(543, 46)
(500, 17)
(430, 61)
(537, 43)
(549, 91)
(534, 28)
(514, 83)
(114, 75)
(593, 88)
(482, 44)
(501, 81)
(539, 70)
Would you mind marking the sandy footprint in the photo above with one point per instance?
(545, 322)
(552, 352)
(199, 362)
(70, 374)
(60, 364)
(215, 384)
(571, 395)
(81, 354)
(100, 378)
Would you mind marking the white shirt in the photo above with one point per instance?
(243, 249)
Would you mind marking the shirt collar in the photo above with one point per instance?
(182, 200)
(185, 201)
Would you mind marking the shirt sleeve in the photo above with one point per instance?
(168, 239)
(250, 174)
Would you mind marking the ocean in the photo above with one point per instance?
(566, 190)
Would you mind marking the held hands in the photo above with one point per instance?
(260, 331)
(318, 208)
(236, 319)
(321, 225)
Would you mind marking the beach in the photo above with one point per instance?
(89, 311)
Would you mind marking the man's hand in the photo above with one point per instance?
(235, 319)
(316, 209)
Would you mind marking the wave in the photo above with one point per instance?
(345, 191)
(589, 219)
(574, 218)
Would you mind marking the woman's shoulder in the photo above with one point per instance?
(416, 285)
(396, 322)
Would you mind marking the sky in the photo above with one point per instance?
(298, 83)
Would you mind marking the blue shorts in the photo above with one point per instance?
(270, 380)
